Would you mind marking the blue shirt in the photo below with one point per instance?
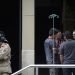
(48, 45)
(67, 49)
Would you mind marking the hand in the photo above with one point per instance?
(55, 50)
(6, 57)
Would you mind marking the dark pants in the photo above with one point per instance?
(53, 71)
(60, 71)
(68, 71)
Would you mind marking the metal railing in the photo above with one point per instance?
(43, 66)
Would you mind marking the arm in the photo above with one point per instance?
(5, 52)
(61, 52)
(61, 59)
(7, 55)
(55, 50)
(48, 50)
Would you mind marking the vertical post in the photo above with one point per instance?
(36, 70)
(53, 42)
(53, 16)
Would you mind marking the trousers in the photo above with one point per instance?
(68, 71)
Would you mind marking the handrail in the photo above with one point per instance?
(20, 70)
(45, 66)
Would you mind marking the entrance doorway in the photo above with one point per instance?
(10, 23)
(44, 8)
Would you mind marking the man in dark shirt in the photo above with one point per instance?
(67, 53)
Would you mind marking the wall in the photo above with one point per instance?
(68, 15)
(28, 35)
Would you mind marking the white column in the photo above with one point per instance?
(27, 35)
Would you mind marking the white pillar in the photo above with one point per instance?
(27, 35)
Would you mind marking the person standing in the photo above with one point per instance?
(67, 53)
(5, 56)
(48, 47)
(59, 40)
